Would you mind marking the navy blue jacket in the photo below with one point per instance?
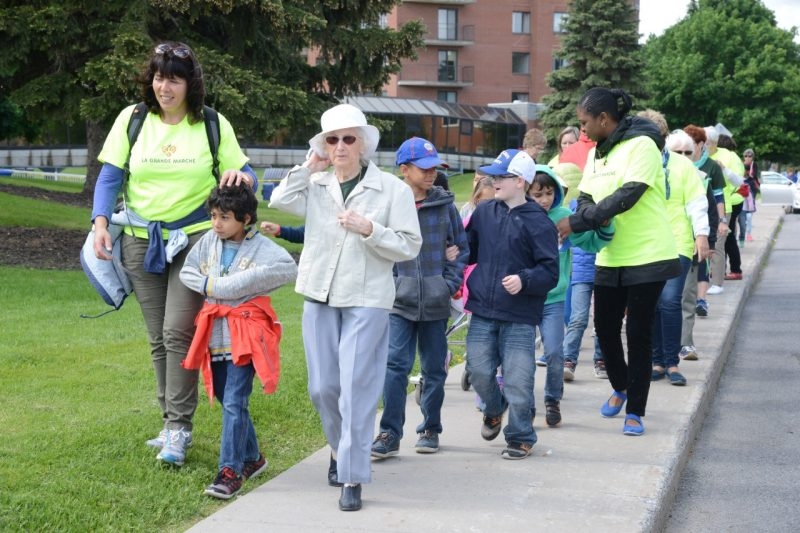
(502, 242)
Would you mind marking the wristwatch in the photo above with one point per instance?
(723, 220)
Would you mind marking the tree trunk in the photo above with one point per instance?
(95, 137)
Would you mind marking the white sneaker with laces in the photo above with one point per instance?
(688, 353)
(715, 289)
(174, 450)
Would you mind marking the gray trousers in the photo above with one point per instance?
(717, 271)
(169, 309)
(688, 306)
(346, 352)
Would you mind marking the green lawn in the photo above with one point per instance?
(79, 402)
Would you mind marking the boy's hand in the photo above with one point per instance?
(451, 253)
(270, 228)
(512, 284)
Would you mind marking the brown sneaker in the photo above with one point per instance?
(516, 450)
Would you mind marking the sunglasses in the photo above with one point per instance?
(334, 140)
(177, 51)
(685, 152)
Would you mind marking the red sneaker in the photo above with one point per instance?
(733, 276)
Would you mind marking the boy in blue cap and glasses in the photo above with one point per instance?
(424, 287)
(515, 247)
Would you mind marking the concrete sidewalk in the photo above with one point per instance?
(583, 476)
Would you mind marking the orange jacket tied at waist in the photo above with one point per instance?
(255, 337)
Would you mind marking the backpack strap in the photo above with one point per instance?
(211, 120)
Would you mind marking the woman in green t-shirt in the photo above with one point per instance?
(624, 180)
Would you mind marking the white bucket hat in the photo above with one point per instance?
(341, 117)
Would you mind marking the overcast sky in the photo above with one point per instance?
(658, 15)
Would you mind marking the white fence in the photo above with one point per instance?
(53, 159)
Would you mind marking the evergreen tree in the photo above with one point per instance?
(77, 60)
(728, 62)
(601, 49)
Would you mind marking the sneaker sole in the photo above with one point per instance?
(219, 495)
(384, 455)
(514, 455)
(170, 460)
(426, 450)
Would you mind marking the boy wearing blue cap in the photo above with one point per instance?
(515, 247)
(423, 289)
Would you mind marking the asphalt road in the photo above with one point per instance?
(744, 470)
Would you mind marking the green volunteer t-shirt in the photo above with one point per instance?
(643, 234)
(730, 160)
(171, 166)
(685, 185)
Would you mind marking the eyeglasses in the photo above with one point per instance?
(334, 140)
(504, 176)
(685, 152)
(178, 51)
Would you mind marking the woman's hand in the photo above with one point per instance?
(352, 221)
(316, 163)
(701, 247)
(102, 239)
(564, 228)
(236, 177)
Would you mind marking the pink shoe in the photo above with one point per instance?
(749, 237)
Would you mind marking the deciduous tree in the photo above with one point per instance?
(728, 62)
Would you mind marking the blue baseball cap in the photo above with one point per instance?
(512, 161)
(419, 152)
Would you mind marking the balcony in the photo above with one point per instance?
(465, 38)
(434, 75)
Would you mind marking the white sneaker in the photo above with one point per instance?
(715, 289)
(688, 353)
(174, 450)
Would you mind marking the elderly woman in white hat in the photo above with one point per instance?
(359, 222)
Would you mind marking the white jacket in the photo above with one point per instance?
(339, 267)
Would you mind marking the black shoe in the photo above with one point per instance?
(333, 474)
(553, 414)
(350, 500)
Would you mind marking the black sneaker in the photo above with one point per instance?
(491, 426)
(252, 469)
(516, 450)
(428, 442)
(226, 484)
(553, 414)
(385, 445)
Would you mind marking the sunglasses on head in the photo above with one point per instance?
(684, 152)
(177, 51)
(334, 140)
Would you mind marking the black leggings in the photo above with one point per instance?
(610, 304)
(731, 246)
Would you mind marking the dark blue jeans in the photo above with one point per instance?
(404, 338)
(232, 387)
(669, 319)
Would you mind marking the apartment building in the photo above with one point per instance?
(480, 51)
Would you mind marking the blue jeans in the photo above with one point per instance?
(552, 329)
(581, 301)
(492, 343)
(232, 387)
(669, 319)
(404, 337)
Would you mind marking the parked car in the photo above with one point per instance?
(777, 189)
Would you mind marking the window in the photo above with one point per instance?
(559, 22)
(559, 63)
(447, 96)
(520, 97)
(448, 60)
(520, 63)
(520, 22)
(448, 25)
